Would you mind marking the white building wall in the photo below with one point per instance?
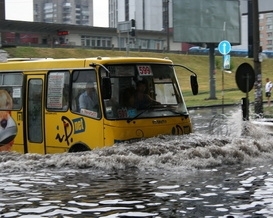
(132, 9)
(113, 11)
(121, 10)
(74, 39)
(139, 15)
(147, 13)
(153, 15)
(170, 13)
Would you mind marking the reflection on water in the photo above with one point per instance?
(197, 175)
(85, 193)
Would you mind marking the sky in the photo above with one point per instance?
(23, 10)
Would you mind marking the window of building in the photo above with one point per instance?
(144, 43)
(96, 41)
(269, 19)
(93, 43)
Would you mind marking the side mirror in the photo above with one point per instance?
(194, 84)
(106, 88)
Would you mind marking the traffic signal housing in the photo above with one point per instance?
(133, 23)
(133, 28)
(132, 32)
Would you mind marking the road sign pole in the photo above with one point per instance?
(125, 27)
(258, 104)
(224, 47)
(128, 44)
(212, 71)
(223, 88)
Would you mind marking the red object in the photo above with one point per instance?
(63, 33)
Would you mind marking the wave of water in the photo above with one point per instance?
(176, 153)
(222, 171)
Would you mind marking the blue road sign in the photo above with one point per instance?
(226, 64)
(224, 47)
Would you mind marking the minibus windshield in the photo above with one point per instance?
(143, 90)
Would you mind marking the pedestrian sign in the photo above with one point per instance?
(224, 47)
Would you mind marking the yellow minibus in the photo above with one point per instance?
(72, 105)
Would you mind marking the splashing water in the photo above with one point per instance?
(163, 153)
(223, 173)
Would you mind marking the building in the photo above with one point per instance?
(265, 23)
(73, 12)
(265, 27)
(75, 18)
(78, 12)
(266, 30)
(149, 14)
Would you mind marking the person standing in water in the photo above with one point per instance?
(268, 88)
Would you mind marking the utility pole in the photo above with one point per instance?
(167, 26)
(258, 104)
(250, 28)
(2, 16)
(212, 71)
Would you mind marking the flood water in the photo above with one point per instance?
(215, 172)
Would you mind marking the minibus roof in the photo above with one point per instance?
(21, 64)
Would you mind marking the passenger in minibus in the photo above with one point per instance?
(89, 99)
(143, 100)
(129, 97)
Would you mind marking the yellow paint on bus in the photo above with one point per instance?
(71, 105)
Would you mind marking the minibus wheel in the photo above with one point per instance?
(79, 148)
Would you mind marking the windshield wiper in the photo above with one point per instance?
(165, 107)
(173, 109)
(144, 110)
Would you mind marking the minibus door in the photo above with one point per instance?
(34, 119)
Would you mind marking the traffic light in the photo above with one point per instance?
(133, 23)
(133, 28)
(132, 32)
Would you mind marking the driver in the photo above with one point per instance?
(143, 100)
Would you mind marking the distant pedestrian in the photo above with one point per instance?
(268, 88)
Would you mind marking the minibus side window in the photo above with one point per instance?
(58, 90)
(85, 98)
(35, 130)
(11, 91)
